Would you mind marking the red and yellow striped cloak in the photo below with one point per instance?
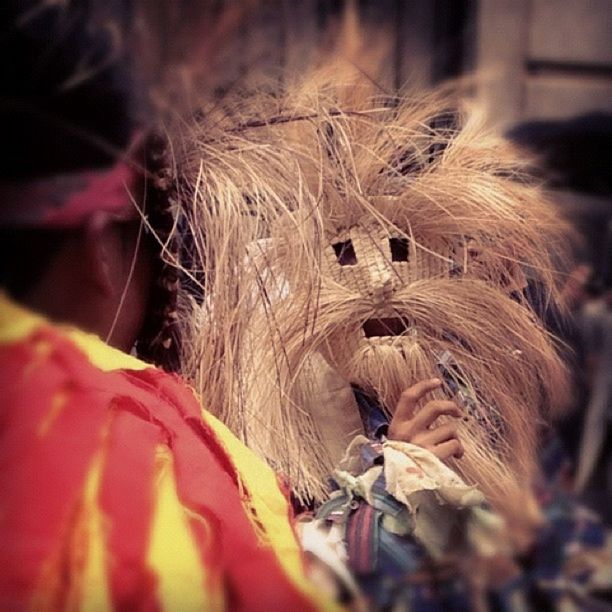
(116, 492)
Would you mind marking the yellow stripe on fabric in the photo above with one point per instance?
(58, 403)
(95, 593)
(271, 508)
(101, 355)
(17, 323)
(173, 553)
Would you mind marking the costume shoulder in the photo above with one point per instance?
(116, 492)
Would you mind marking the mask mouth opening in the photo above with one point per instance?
(392, 326)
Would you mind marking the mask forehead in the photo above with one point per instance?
(375, 261)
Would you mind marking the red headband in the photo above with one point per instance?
(67, 201)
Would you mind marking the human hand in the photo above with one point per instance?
(406, 426)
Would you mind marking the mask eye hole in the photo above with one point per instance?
(399, 249)
(345, 253)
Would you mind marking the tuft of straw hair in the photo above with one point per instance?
(270, 181)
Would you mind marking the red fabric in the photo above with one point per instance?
(42, 476)
(126, 498)
(207, 484)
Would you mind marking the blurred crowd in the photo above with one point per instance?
(587, 429)
(574, 157)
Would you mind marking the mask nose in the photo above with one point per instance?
(382, 287)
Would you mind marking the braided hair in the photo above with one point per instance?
(72, 100)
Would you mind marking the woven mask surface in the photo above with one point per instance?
(393, 237)
(378, 264)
